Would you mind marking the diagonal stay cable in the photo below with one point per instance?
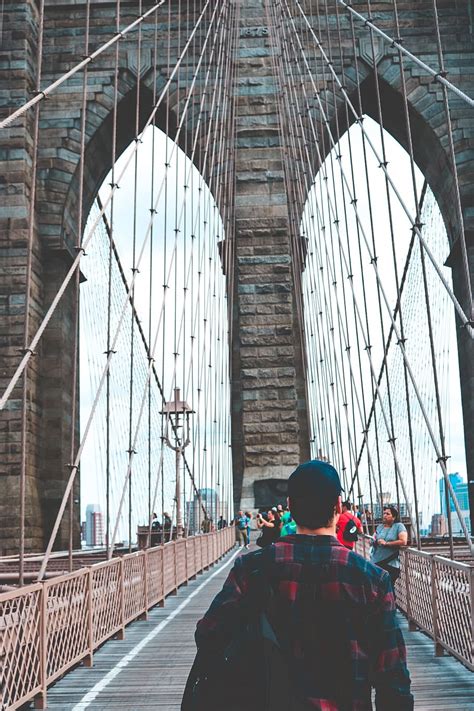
(437, 76)
(440, 458)
(75, 465)
(466, 322)
(30, 350)
(44, 93)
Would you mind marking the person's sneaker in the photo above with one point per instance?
(247, 545)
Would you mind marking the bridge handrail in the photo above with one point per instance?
(436, 594)
(46, 628)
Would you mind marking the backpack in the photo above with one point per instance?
(251, 672)
(350, 532)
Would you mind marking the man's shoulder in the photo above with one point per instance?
(376, 575)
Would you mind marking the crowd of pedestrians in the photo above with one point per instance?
(277, 522)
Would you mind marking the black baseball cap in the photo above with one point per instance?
(314, 480)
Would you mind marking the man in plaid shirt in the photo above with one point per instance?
(332, 611)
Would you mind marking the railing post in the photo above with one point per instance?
(175, 591)
(162, 600)
(186, 559)
(121, 632)
(406, 559)
(144, 616)
(471, 584)
(41, 698)
(434, 604)
(89, 660)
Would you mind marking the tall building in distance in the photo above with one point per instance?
(94, 533)
(439, 526)
(461, 491)
(211, 502)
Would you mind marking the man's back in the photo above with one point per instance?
(334, 615)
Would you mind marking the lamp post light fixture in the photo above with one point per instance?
(174, 410)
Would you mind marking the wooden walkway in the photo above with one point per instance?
(149, 668)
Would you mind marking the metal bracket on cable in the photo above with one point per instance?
(444, 458)
(110, 352)
(24, 351)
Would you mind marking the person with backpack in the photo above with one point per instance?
(304, 623)
(348, 526)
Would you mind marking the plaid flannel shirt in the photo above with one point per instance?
(334, 614)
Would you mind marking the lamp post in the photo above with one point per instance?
(173, 410)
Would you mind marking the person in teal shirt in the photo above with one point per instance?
(289, 528)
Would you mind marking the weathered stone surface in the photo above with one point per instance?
(267, 372)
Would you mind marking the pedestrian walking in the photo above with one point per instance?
(241, 523)
(348, 526)
(323, 625)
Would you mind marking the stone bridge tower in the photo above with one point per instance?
(270, 430)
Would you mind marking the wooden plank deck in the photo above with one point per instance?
(153, 676)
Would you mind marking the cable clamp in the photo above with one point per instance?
(24, 351)
(114, 186)
(345, 404)
(443, 74)
(374, 260)
(383, 164)
(401, 341)
(131, 451)
(392, 440)
(365, 432)
(350, 276)
(354, 201)
(79, 248)
(368, 348)
(347, 348)
(111, 352)
(153, 211)
(444, 458)
(135, 270)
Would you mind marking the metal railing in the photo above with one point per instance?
(437, 596)
(47, 628)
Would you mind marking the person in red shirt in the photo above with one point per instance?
(344, 519)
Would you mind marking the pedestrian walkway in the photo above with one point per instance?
(148, 670)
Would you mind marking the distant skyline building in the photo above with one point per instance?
(94, 529)
(460, 489)
(211, 502)
(439, 525)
